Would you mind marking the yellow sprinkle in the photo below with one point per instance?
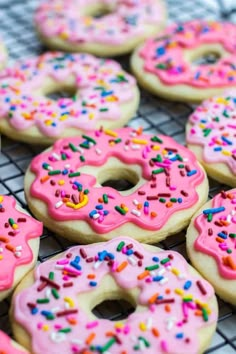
(227, 153)
(164, 152)
(188, 297)
(155, 147)
(142, 326)
(61, 182)
(222, 100)
(111, 99)
(1, 198)
(119, 325)
(202, 126)
(1, 257)
(69, 300)
(45, 327)
(179, 291)
(26, 115)
(91, 115)
(201, 304)
(139, 141)
(111, 133)
(48, 122)
(64, 117)
(64, 35)
(15, 226)
(175, 271)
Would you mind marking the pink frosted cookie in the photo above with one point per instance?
(211, 243)
(8, 346)
(167, 65)
(69, 186)
(72, 25)
(175, 309)
(211, 135)
(103, 95)
(19, 244)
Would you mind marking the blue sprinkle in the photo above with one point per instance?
(155, 259)
(222, 235)
(218, 148)
(65, 172)
(226, 140)
(129, 252)
(187, 285)
(106, 93)
(46, 313)
(34, 311)
(84, 111)
(160, 297)
(99, 206)
(158, 278)
(105, 212)
(111, 255)
(102, 255)
(92, 213)
(191, 173)
(77, 259)
(213, 210)
(75, 265)
(146, 204)
(180, 200)
(92, 283)
(54, 124)
(179, 335)
(160, 51)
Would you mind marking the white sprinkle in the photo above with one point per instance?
(77, 341)
(126, 148)
(96, 216)
(59, 266)
(141, 345)
(56, 156)
(163, 281)
(1, 250)
(48, 293)
(18, 248)
(153, 273)
(182, 276)
(50, 168)
(98, 151)
(59, 204)
(149, 323)
(161, 271)
(80, 149)
(58, 337)
(135, 147)
(132, 260)
(17, 254)
(133, 134)
(91, 144)
(136, 212)
(135, 202)
(67, 305)
(67, 165)
(97, 264)
(55, 309)
(185, 159)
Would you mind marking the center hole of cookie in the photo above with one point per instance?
(99, 10)
(121, 179)
(65, 92)
(207, 58)
(115, 309)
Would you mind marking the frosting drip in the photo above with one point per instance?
(16, 229)
(102, 87)
(170, 170)
(176, 302)
(217, 237)
(214, 128)
(164, 56)
(128, 19)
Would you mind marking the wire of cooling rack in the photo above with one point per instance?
(154, 114)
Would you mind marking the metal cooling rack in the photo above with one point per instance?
(154, 114)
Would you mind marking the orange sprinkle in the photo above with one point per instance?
(81, 197)
(4, 239)
(44, 179)
(110, 334)
(90, 338)
(122, 266)
(139, 130)
(219, 239)
(139, 206)
(10, 248)
(153, 214)
(167, 291)
(91, 276)
(169, 204)
(65, 200)
(143, 275)
(124, 352)
(152, 299)
(198, 313)
(72, 321)
(100, 200)
(167, 308)
(155, 332)
(230, 262)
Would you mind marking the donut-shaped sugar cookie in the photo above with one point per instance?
(72, 25)
(104, 95)
(165, 65)
(8, 346)
(175, 309)
(66, 186)
(211, 135)
(3, 55)
(211, 243)
(19, 244)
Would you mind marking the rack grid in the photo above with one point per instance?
(154, 114)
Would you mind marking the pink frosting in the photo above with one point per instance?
(16, 229)
(214, 129)
(164, 56)
(217, 238)
(170, 170)
(50, 311)
(6, 346)
(103, 86)
(58, 18)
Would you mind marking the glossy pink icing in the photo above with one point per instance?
(179, 175)
(6, 346)
(63, 19)
(213, 127)
(15, 237)
(164, 56)
(102, 84)
(176, 327)
(223, 222)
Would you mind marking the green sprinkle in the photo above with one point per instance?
(73, 147)
(187, 299)
(120, 246)
(84, 145)
(232, 235)
(179, 157)
(46, 165)
(65, 330)
(229, 250)
(51, 276)
(173, 200)
(105, 198)
(50, 317)
(103, 109)
(207, 132)
(11, 221)
(74, 174)
(145, 341)
(204, 314)
(86, 191)
(162, 200)
(82, 158)
(181, 166)
(108, 345)
(120, 210)
(63, 156)
(156, 139)
(136, 347)
(119, 140)
(55, 293)
(54, 172)
(209, 217)
(161, 66)
(165, 260)
(43, 301)
(89, 139)
(159, 170)
(153, 267)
